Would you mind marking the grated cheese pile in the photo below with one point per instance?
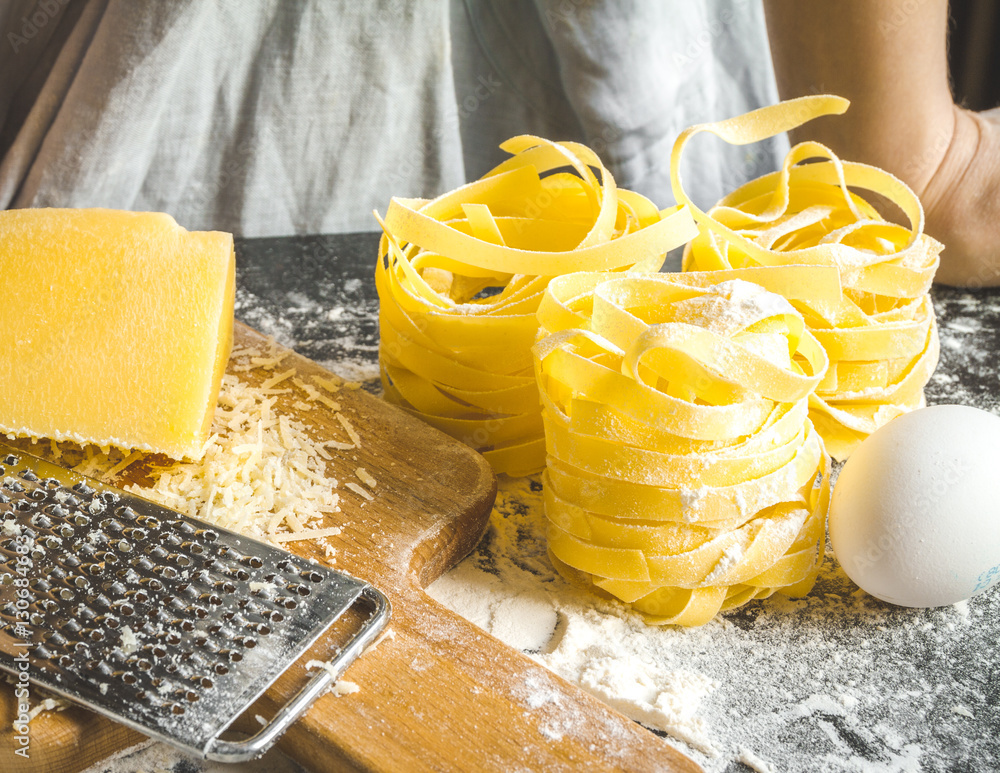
(261, 473)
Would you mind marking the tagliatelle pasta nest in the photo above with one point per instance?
(460, 277)
(684, 476)
(880, 336)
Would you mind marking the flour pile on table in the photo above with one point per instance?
(830, 682)
(153, 757)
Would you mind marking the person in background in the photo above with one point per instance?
(270, 117)
(274, 118)
(890, 59)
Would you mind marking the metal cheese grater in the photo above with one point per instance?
(156, 620)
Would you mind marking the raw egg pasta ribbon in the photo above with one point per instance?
(683, 474)
(880, 336)
(460, 278)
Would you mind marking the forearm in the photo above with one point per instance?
(889, 58)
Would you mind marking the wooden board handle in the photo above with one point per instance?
(443, 695)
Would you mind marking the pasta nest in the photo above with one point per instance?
(684, 476)
(881, 335)
(460, 277)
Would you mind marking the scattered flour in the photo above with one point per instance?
(152, 757)
(525, 621)
(754, 762)
(353, 370)
(333, 335)
(692, 501)
(836, 681)
(731, 556)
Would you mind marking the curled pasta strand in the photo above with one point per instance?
(460, 278)
(880, 335)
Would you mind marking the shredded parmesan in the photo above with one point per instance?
(120, 467)
(358, 490)
(50, 704)
(344, 687)
(268, 363)
(332, 531)
(339, 688)
(349, 429)
(326, 666)
(129, 641)
(275, 380)
(311, 392)
(261, 473)
(331, 385)
(388, 634)
(329, 551)
(332, 405)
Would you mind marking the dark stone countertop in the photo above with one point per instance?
(317, 293)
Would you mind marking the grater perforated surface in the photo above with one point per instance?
(163, 622)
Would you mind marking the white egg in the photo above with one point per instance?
(915, 515)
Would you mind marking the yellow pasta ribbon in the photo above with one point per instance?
(683, 474)
(880, 336)
(460, 277)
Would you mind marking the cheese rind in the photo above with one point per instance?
(115, 328)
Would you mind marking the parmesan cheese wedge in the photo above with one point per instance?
(115, 328)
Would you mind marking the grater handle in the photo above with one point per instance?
(256, 745)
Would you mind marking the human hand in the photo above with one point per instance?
(962, 202)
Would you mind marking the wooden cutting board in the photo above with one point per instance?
(439, 694)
